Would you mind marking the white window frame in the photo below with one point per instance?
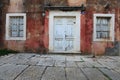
(112, 23)
(8, 37)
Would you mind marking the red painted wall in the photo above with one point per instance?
(35, 32)
(38, 26)
(83, 33)
(46, 30)
(35, 29)
(86, 32)
(87, 43)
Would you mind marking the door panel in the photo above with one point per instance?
(64, 33)
(69, 36)
(59, 35)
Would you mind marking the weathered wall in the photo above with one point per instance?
(37, 32)
(76, 2)
(97, 6)
(55, 2)
(2, 22)
(15, 6)
(46, 31)
(35, 29)
(88, 29)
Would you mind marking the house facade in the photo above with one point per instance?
(61, 26)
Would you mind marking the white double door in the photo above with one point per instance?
(64, 34)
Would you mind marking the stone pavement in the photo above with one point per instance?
(59, 67)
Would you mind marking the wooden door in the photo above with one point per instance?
(64, 34)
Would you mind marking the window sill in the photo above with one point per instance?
(104, 40)
(16, 38)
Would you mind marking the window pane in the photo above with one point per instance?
(16, 26)
(21, 20)
(102, 27)
(21, 27)
(21, 33)
(14, 34)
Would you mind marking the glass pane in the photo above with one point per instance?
(21, 34)
(14, 34)
(21, 20)
(13, 28)
(21, 27)
(102, 27)
(16, 26)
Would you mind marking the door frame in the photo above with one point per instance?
(76, 14)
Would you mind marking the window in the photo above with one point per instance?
(103, 27)
(16, 26)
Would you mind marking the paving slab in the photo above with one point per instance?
(6, 56)
(34, 60)
(58, 67)
(86, 58)
(3, 59)
(75, 74)
(60, 63)
(93, 61)
(44, 56)
(31, 73)
(94, 74)
(10, 71)
(71, 64)
(117, 69)
(96, 64)
(73, 58)
(25, 55)
(115, 58)
(113, 75)
(115, 64)
(108, 64)
(59, 57)
(106, 59)
(84, 64)
(19, 59)
(46, 62)
(54, 73)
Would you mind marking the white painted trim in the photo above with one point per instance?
(77, 29)
(112, 21)
(7, 26)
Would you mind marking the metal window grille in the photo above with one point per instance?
(16, 26)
